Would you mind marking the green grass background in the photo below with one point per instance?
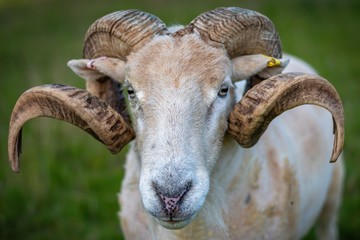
(68, 184)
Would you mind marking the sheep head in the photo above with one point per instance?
(181, 98)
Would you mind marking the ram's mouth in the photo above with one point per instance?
(174, 224)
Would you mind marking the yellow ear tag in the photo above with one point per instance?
(273, 62)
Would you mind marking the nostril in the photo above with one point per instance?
(171, 204)
(172, 201)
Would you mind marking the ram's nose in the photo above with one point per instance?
(172, 199)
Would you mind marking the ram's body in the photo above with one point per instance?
(274, 190)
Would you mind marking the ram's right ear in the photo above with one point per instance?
(94, 69)
(246, 66)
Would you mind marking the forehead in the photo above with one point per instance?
(176, 62)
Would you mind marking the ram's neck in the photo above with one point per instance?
(231, 161)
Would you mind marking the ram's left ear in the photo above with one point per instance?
(246, 66)
(94, 69)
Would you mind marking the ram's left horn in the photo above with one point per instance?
(268, 99)
(72, 105)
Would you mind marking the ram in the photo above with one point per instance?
(205, 163)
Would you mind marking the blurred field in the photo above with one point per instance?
(68, 183)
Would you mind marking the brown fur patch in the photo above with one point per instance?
(277, 218)
(174, 62)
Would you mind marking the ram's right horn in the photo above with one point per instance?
(268, 99)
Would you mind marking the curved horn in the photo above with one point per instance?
(119, 33)
(116, 35)
(270, 98)
(70, 104)
(240, 31)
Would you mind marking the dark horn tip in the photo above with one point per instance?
(15, 169)
(15, 152)
(14, 163)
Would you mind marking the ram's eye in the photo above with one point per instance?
(223, 90)
(131, 92)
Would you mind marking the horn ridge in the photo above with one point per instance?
(72, 105)
(240, 31)
(268, 99)
(119, 33)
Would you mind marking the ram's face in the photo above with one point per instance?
(180, 95)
